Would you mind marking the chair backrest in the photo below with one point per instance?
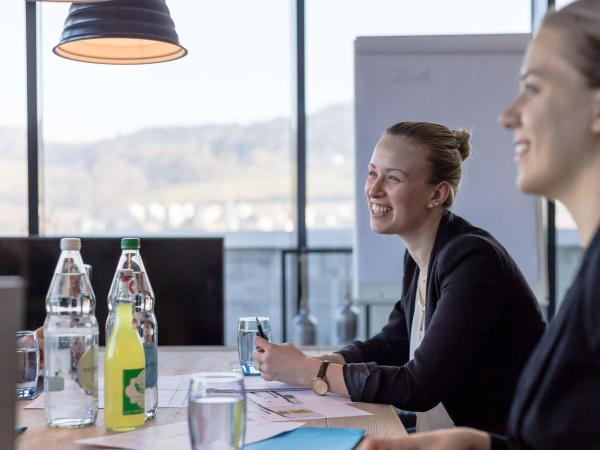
(11, 302)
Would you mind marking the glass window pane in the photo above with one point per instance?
(330, 96)
(201, 144)
(562, 3)
(568, 251)
(330, 85)
(13, 121)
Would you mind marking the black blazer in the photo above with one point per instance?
(557, 403)
(481, 324)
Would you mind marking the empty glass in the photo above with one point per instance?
(247, 331)
(28, 364)
(217, 411)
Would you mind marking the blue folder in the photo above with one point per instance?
(311, 438)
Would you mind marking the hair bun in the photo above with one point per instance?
(463, 138)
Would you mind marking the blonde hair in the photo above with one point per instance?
(446, 150)
(580, 22)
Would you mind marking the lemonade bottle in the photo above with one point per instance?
(144, 318)
(124, 363)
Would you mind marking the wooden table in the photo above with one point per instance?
(184, 360)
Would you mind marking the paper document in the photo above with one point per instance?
(256, 384)
(172, 392)
(276, 406)
(176, 436)
(273, 405)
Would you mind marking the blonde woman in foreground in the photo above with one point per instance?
(555, 119)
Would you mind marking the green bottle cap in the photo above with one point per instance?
(130, 244)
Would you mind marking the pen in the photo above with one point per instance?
(20, 430)
(261, 333)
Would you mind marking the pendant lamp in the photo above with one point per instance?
(69, 1)
(120, 32)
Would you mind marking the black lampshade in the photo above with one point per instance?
(70, 1)
(120, 32)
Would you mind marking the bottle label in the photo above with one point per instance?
(54, 383)
(133, 391)
(87, 370)
(150, 352)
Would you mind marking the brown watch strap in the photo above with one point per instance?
(323, 369)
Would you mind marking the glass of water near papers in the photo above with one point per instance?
(28, 364)
(217, 411)
(247, 331)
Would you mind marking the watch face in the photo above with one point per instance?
(319, 386)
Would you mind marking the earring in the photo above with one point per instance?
(430, 206)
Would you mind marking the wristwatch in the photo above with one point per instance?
(319, 384)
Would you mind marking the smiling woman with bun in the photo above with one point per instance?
(466, 321)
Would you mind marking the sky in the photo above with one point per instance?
(239, 67)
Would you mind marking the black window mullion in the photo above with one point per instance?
(32, 19)
(299, 128)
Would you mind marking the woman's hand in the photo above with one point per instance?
(451, 439)
(284, 362)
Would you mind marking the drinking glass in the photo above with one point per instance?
(217, 411)
(28, 364)
(247, 331)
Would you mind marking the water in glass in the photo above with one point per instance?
(247, 331)
(28, 363)
(217, 411)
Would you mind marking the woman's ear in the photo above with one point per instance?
(440, 193)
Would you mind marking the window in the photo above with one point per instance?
(197, 145)
(568, 251)
(562, 3)
(201, 144)
(330, 85)
(332, 26)
(568, 247)
(13, 121)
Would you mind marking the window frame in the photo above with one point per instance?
(35, 170)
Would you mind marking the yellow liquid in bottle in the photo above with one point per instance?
(124, 375)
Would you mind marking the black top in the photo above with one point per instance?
(557, 404)
(482, 322)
